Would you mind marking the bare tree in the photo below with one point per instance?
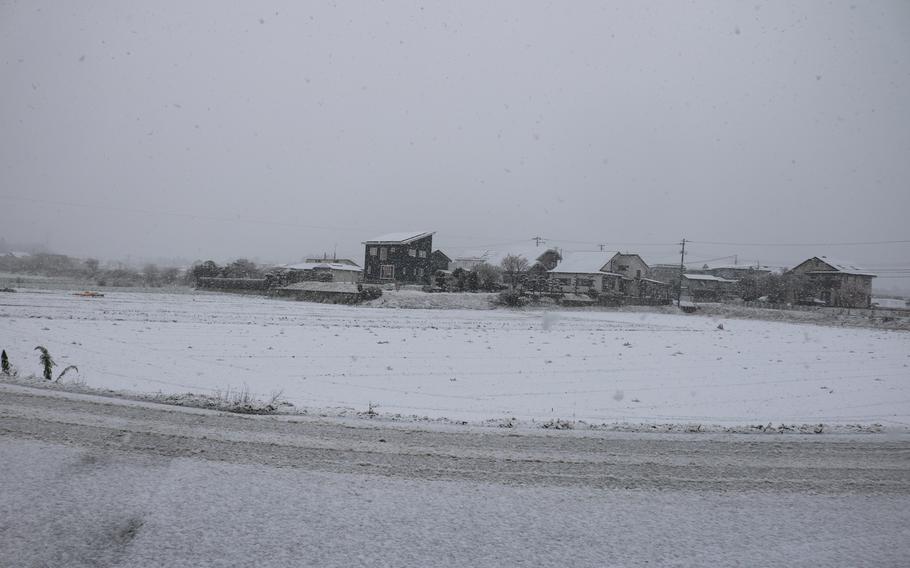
(488, 276)
(92, 265)
(513, 266)
(853, 295)
(170, 275)
(151, 274)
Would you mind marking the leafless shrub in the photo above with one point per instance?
(558, 424)
(242, 401)
(66, 370)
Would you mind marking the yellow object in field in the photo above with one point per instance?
(89, 294)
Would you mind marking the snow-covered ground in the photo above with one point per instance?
(471, 365)
(76, 508)
(890, 303)
(90, 481)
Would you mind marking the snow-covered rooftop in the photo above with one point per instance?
(894, 303)
(322, 266)
(400, 238)
(843, 266)
(584, 262)
(738, 267)
(707, 278)
(496, 256)
(333, 260)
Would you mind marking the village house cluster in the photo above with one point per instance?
(408, 258)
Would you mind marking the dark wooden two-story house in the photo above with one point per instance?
(403, 257)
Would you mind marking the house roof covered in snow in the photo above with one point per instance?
(584, 262)
(530, 252)
(652, 281)
(322, 265)
(707, 278)
(738, 267)
(333, 260)
(496, 256)
(18, 254)
(844, 267)
(440, 251)
(400, 238)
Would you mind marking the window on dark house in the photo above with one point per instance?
(387, 272)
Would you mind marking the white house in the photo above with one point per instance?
(581, 272)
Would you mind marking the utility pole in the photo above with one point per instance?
(537, 240)
(602, 245)
(682, 270)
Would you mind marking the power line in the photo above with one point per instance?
(710, 259)
(598, 244)
(863, 243)
(360, 229)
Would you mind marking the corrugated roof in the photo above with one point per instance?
(401, 238)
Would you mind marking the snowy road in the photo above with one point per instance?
(90, 481)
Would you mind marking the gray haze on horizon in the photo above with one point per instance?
(274, 130)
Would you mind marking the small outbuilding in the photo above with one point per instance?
(322, 270)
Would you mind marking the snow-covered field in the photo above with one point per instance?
(471, 365)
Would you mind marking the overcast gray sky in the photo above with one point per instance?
(273, 130)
